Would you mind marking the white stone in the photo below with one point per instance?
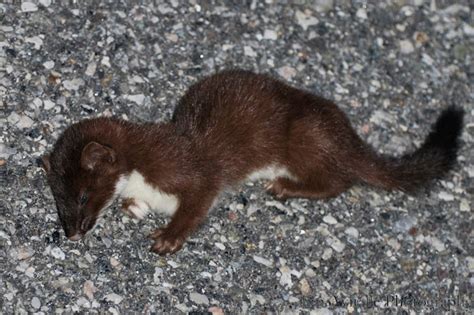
(198, 298)
(327, 254)
(435, 242)
(470, 263)
(37, 102)
(35, 302)
(73, 84)
(220, 246)
(285, 279)
(351, 231)
(276, 204)
(406, 46)
(47, 104)
(13, 118)
(329, 219)
(48, 64)
(45, 3)
(263, 261)
(173, 264)
(90, 70)
(83, 302)
(321, 311)
(445, 196)
(468, 29)
(455, 9)
(25, 122)
(287, 72)
(105, 61)
(336, 244)
(393, 243)
(361, 14)
(304, 20)
(58, 253)
(464, 205)
(380, 116)
(137, 98)
(5, 152)
(114, 298)
(270, 34)
(323, 5)
(35, 40)
(29, 7)
(248, 51)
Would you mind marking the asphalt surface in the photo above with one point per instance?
(392, 66)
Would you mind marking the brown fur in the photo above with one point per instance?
(225, 127)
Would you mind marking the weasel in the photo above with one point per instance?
(229, 127)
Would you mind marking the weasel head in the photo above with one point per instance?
(83, 176)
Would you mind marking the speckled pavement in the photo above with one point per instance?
(392, 66)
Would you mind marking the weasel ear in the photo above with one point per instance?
(45, 163)
(95, 154)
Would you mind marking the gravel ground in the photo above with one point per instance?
(391, 66)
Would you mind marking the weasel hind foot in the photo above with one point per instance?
(166, 242)
(135, 208)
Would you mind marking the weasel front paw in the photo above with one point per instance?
(135, 208)
(166, 242)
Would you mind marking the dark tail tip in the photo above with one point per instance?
(446, 131)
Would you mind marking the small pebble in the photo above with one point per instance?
(73, 85)
(445, 196)
(114, 298)
(199, 298)
(327, 254)
(304, 287)
(48, 64)
(406, 47)
(361, 14)
(329, 219)
(305, 20)
(29, 7)
(464, 205)
(287, 72)
(58, 253)
(89, 289)
(263, 261)
(435, 242)
(351, 231)
(138, 98)
(35, 302)
(336, 244)
(270, 34)
(220, 246)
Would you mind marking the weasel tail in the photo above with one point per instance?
(432, 160)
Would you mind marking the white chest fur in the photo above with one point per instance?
(134, 186)
(271, 172)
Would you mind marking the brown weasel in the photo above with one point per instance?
(229, 127)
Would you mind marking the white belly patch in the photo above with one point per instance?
(156, 200)
(270, 173)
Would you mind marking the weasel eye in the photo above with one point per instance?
(83, 199)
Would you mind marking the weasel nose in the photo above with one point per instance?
(75, 237)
